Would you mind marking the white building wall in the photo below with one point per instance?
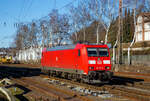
(147, 31)
(139, 36)
(147, 36)
(139, 28)
(147, 26)
(139, 19)
(31, 54)
(139, 32)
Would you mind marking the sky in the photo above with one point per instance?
(16, 11)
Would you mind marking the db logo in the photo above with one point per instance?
(99, 62)
(56, 58)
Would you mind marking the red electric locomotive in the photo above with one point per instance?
(88, 63)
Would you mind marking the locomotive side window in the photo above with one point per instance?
(92, 51)
(103, 52)
(78, 52)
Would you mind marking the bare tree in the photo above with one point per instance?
(74, 15)
(24, 30)
(44, 32)
(103, 11)
(95, 7)
(18, 41)
(53, 24)
(85, 16)
(108, 10)
(59, 25)
(33, 34)
(64, 27)
(148, 5)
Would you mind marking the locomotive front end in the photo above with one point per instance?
(99, 63)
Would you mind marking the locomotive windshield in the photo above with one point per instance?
(97, 52)
(92, 51)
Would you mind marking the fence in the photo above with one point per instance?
(138, 59)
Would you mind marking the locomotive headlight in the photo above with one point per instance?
(106, 61)
(91, 67)
(92, 62)
(107, 67)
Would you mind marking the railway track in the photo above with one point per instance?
(42, 88)
(133, 93)
(142, 85)
(131, 83)
(50, 90)
(144, 77)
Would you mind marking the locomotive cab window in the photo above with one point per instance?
(94, 52)
(103, 52)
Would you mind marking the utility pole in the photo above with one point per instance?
(120, 34)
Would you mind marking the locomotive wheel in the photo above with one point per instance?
(74, 78)
(65, 75)
(49, 73)
(59, 74)
(81, 79)
(43, 70)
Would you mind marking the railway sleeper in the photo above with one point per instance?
(129, 95)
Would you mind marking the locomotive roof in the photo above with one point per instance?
(78, 46)
(61, 48)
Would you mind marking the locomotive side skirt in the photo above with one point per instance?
(63, 70)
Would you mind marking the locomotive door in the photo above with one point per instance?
(77, 60)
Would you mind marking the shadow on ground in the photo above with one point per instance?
(17, 72)
(20, 96)
(120, 80)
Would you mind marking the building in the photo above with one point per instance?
(143, 27)
(29, 55)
